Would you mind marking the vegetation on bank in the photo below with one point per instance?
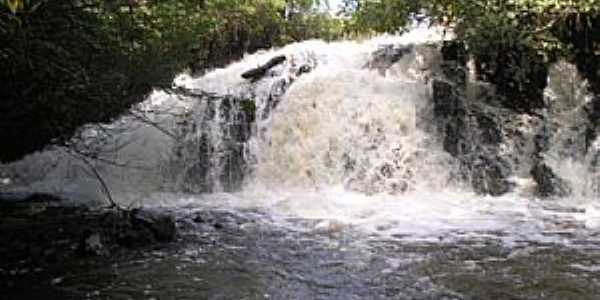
(512, 41)
(67, 63)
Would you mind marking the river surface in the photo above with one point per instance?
(542, 251)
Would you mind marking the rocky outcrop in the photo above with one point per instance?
(548, 183)
(450, 112)
(209, 156)
(386, 56)
(471, 132)
(212, 153)
(494, 142)
(489, 175)
(518, 72)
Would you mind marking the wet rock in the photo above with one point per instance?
(43, 197)
(387, 55)
(92, 244)
(472, 134)
(218, 225)
(213, 143)
(489, 176)
(136, 237)
(303, 69)
(449, 111)
(161, 225)
(454, 55)
(259, 72)
(520, 88)
(278, 89)
(27, 197)
(548, 183)
(488, 130)
(454, 51)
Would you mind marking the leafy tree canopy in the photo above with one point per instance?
(67, 63)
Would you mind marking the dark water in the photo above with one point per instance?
(229, 255)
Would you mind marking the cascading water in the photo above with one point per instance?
(349, 131)
(570, 152)
(332, 115)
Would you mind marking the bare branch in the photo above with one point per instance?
(95, 172)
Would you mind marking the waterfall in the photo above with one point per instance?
(570, 153)
(351, 114)
(360, 122)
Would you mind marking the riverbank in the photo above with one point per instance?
(44, 242)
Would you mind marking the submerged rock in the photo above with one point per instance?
(160, 224)
(92, 244)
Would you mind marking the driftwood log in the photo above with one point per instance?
(259, 72)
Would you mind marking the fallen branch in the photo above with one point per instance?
(259, 72)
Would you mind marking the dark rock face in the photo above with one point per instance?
(505, 129)
(450, 113)
(489, 176)
(28, 198)
(54, 234)
(518, 72)
(454, 51)
(277, 91)
(303, 69)
(212, 153)
(471, 132)
(548, 183)
(212, 145)
(454, 55)
(161, 225)
(388, 55)
(491, 140)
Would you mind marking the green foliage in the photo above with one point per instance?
(66, 63)
(379, 16)
(480, 23)
(512, 41)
